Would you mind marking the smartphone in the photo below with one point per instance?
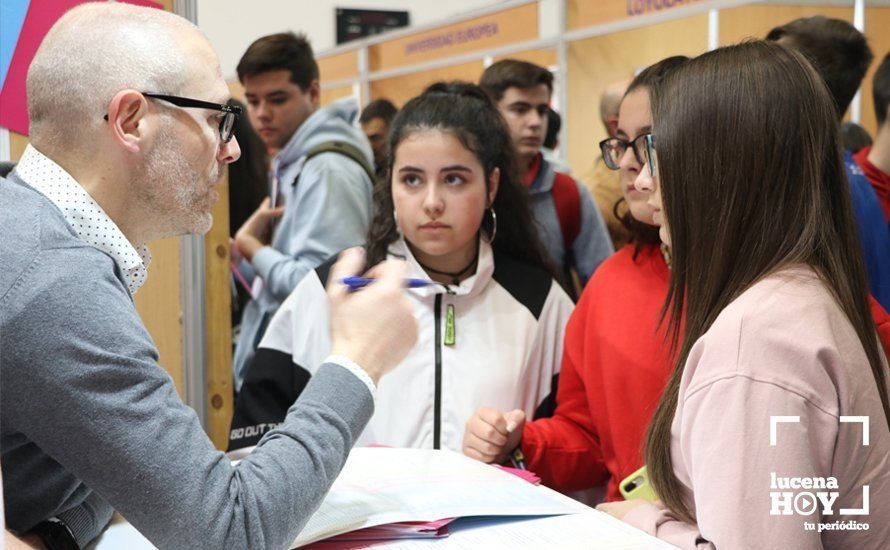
(636, 486)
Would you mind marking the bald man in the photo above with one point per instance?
(602, 182)
(129, 136)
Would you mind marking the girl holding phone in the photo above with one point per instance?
(780, 383)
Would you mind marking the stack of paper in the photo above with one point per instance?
(380, 486)
(421, 530)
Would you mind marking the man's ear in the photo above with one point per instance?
(494, 180)
(315, 93)
(126, 119)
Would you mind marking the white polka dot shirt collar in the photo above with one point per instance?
(84, 214)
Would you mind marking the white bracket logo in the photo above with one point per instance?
(774, 421)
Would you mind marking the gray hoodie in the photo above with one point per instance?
(328, 210)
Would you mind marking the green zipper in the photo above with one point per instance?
(449, 325)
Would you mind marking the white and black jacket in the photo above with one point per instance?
(494, 340)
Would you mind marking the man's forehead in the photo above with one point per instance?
(270, 82)
(204, 77)
(536, 95)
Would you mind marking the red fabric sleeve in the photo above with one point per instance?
(564, 449)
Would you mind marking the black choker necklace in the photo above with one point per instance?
(454, 276)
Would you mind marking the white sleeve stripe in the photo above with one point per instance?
(353, 367)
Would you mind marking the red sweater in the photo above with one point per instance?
(614, 370)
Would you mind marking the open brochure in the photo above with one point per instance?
(380, 485)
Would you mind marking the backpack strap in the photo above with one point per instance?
(567, 200)
(347, 150)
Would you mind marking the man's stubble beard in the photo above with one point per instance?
(177, 195)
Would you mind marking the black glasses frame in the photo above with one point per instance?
(642, 146)
(226, 124)
(650, 153)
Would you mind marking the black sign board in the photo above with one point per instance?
(352, 24)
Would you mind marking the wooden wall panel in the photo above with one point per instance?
(160, 306)
(755, 21)
(401, 89)
(237, 91)
(17, 144)
(334, 94)
(544, 58)
(593, 64)
(338, 67)
(586, 13)
(877, 21)
(217, 293)
(480, 33)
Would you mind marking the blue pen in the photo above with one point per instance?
(358, 283)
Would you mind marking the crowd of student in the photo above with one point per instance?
(726, 261)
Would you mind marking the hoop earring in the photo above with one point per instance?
(494, 225)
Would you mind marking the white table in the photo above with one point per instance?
(589, 529)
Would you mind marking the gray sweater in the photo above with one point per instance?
(85, 410)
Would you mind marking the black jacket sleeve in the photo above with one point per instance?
(272, 384)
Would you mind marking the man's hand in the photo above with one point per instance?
(375, 326)
(255, 232)
(491, 434)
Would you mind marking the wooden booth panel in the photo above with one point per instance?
(218, 307)
(17, 144)
(595, 63)
(327, 96)
(237, 91)
(401, 89)
(158, 303)
(877, 21)
(480, 33)
(338, 66)
(587, 13)
(755, 21)
(544, 58)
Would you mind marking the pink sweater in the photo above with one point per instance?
(783, 348)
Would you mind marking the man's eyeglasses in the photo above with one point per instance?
(643, 147)
(226, 123)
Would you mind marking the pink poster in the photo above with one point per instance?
(41, 15)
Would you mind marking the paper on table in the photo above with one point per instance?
(381, 485)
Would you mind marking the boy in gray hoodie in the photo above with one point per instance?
(320, 180)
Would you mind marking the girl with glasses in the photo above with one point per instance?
(779, 383)
(490, 327)
(615, 365)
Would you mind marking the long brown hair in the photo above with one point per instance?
(752, 179)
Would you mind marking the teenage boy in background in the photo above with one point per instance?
(375, 120)
(320, 179)
(841, 55)
(875, 159)
(569, 223)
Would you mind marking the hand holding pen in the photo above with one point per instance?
(358, 283)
